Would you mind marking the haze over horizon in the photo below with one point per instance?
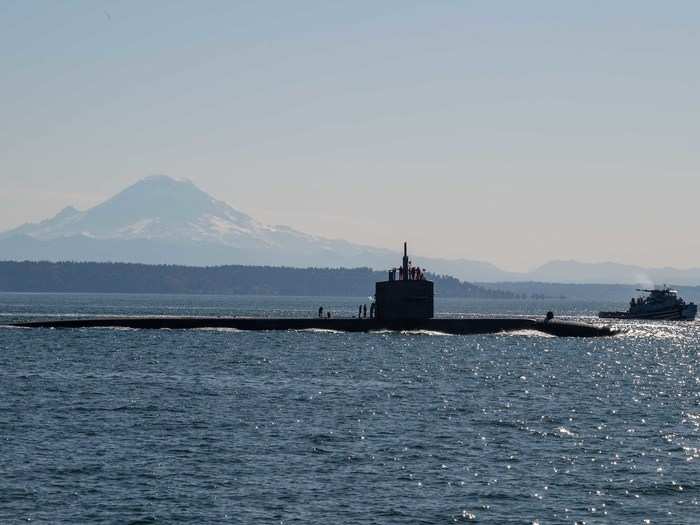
(510, 133)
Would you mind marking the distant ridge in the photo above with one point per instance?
(610, 273)
(90, 277)
(161, 220)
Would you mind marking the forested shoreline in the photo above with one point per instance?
(94, 277)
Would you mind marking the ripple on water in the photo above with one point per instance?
(103, 426)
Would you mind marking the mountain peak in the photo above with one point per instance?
(162, 195)
(159, 179)
(162, 183)
(155, 207)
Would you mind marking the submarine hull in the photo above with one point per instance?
(447, 326)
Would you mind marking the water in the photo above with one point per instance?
(220, 426)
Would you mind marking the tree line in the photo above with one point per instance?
(93, 277)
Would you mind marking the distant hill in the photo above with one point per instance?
(160, 220)
(86, 277)
(620, 293)
(612, 273)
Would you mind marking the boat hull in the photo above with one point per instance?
(686, 313)
(447, 326)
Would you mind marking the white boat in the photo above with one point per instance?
(661, 303)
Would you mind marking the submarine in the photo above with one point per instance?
(404, 302)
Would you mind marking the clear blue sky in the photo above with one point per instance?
(514, 132)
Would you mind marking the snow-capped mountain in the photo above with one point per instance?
(160, 219)
(156, 207)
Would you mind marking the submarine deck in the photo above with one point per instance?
(443, 325)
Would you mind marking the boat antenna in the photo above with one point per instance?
(405, 262)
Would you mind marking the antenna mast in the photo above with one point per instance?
(405, 262)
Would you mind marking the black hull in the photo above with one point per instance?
(447, 326)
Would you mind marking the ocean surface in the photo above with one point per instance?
(221, 426)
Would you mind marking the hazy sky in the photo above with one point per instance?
(513, 132)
